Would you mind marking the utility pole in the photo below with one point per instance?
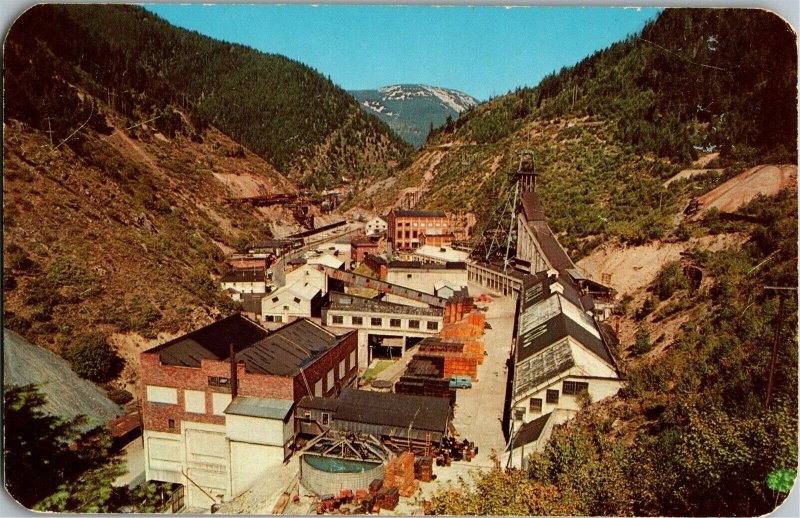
(49, 131)
(778, 322)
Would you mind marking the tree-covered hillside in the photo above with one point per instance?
(610, 130)
(149, 70)
(691, 433)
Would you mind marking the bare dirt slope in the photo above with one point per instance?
(633, 268)
(764, 179)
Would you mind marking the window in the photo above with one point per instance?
(358, 321)
(216, 381)
(275, 299)
(408, 275)
(341, 369)
(414, 234)
(408, 234)
(326, 418)
(433, 326)
(330, 380)
(376, 321)
(399, 234)
(552, 397)
(286, 308)
(170, 424)
(338, 319)
(572, 388)
(413, 324)
(297, 300)
(194, 401)
(278, 319)
(220, 402)
(519, 413)
(352, 359)
(318, 388)
(307, 414)
(394, 322)
(162, 395)
(536, 405)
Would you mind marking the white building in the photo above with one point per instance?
(424, 277)
(244, 281)
(376, 225)
(439, 254)
(286, 304)
(562, 360)
(532, 437)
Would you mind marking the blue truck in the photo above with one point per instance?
(458, 382)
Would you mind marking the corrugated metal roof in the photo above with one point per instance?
(394, 410)
(260, 407)
(281, 353)
(318, 403)
(560, 326)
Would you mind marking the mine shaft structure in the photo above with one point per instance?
(496, 241)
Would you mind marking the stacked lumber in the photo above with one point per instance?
(423, 468)
(455, 364)
(387, 498)
(430, 367)
(400, 474)
(375, 486)
(425, 386)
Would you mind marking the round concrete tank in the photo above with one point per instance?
(329, 475)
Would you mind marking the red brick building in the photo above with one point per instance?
(208, 426)
(360, 246)
(406, 227)
(436, 239)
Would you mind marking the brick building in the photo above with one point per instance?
(214, 428)
(406, 227)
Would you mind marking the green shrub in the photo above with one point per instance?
(642, 343)
(92, 358)
(669, 280)
(648, 306)
(118, 396)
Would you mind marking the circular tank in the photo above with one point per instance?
(329, 475)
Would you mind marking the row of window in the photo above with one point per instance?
(569, 388)
(378, 322)
(424, 224)
(329, 379)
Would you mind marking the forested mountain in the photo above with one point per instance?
(608, 131)
(149, 70)
(693, 432)
(413, 110)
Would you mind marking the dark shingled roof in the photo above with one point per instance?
(532, 207)
(245, 275)
(394, 410)
(419, 265)
(282, 352)
(539, 289)
(558, 327)
(419, 213)
(530, 432)
(550, 246)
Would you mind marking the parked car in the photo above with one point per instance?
(458, 382)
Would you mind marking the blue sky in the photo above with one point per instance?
(483, 51)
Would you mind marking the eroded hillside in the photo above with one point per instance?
(125, 230)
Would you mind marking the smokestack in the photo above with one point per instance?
(234, 380)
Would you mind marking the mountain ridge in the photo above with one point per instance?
(413, 109)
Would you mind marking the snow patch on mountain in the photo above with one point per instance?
(458, 101)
